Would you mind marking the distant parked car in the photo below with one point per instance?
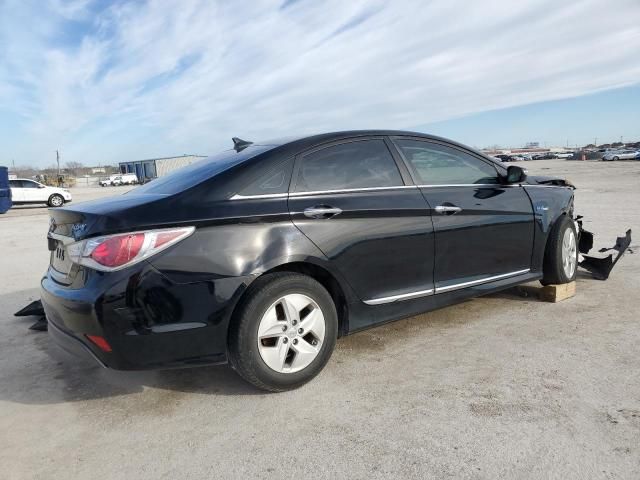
(564, 155)
(620, 155)
(550, 155)
(125, 179)
(109, 181)
(25, 191)
(505, 158)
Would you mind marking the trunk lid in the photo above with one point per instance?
(104, 216)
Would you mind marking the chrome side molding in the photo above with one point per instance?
(399, 298)
(448, 288)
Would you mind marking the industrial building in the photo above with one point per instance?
(157, 167)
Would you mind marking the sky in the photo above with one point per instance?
(107, 81)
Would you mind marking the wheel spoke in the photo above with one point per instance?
(305, 353)
(275, 356)
(270, 326)
(292, 306)
(314, 323)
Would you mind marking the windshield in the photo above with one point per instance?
(191, 175)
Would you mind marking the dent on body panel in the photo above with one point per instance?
(548, 204)
(235, 250)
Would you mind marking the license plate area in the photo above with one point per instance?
(60, 260)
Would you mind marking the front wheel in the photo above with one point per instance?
(561, 255)
(615, 158)
(56, 200)
(284, 331)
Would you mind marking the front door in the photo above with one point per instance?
(350, 199)
(32, 192)
(483, 229)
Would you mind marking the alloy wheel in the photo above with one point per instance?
(291, 333)
(569, 253)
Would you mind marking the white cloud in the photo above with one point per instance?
(164, 77)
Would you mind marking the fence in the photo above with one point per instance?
(87, 181)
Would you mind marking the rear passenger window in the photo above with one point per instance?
(435, 164)
(360, 164)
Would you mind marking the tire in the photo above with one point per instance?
(55, 200)
(271, 305)
(615, 158)
(561, 255)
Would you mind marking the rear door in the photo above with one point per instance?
(483, 229)
(17, 193)
(357, 205)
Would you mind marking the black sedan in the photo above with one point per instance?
(265, 254)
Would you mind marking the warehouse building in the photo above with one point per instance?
(157, 167)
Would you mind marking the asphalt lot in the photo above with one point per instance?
(497, 387)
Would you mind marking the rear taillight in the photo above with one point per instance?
(119, 250)
(114, 252)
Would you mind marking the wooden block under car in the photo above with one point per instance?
(557, 293)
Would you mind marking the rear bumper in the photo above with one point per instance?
(71, 344)
(149, 321)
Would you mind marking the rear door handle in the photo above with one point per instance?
(321, 211)
(447, 209)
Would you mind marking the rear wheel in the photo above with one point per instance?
(615, 158)
(55, 200)
(284, 332)
(561, 256)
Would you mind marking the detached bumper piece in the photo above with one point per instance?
(34, 309)
(600, 267)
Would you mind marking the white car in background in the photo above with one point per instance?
(109, 181)
(125, 179)
(120, 179)
(25, 191)
(620, 155)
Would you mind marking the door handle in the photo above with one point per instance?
(447, 209)
(321, 211)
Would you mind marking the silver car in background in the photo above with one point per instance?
(620, 155)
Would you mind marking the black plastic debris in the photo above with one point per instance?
(41, 325)
(600, 267)
(34, 309)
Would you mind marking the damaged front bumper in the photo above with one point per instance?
(600, 267)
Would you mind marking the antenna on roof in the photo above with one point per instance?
(239, 144)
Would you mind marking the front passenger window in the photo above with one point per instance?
(435, 164)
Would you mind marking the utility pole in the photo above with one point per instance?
(58, 161)
(595, 141)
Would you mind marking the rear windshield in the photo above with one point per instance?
(191, 175)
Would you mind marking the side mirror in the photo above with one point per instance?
(516, 174)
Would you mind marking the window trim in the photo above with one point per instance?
(414, 174)
(300, 156)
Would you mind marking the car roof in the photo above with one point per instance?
(298, 144)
